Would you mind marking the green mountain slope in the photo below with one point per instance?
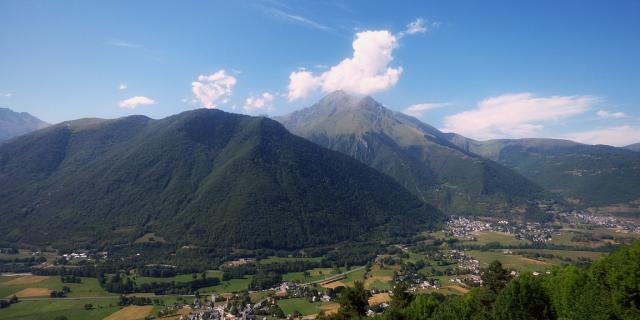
(592, 175)
(416, 155)
(202, 177)
(13, 124)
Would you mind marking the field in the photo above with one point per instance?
(501, 237)
(33, 292)
(510, 261)
(378, 278)
(131, 313)
(305, 307)
(233, 285)
(379, 298)
(88, 288)
(315, 275)
(70, 308)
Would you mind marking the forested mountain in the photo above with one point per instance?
(586, 174)
(202, 177)
(416, 155)
(13, 123)
(634, 147)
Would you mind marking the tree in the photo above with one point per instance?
(354, 301)
(524, 298)
(13, 299)
(401, 296)
(88, 306)
(495, 277)
(422, 307)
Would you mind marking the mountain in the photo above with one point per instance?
(416, 155)
(13, 124)
(201, 177)
(634, 147)
(592, 175)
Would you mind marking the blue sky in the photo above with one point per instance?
(485, 69)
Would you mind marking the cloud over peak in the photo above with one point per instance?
(214, 89)
(517, 115)
(136, 101)
(367, 71)
(419, 109)
(262, 103)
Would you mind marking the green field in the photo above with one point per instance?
(49, 309)
(509, 261)
(88, 288)
(315, 275)
(357, 275)
(501, 237)
(233, 285)
(303, 306)
(566, 253)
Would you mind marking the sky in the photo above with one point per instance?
(483, 69)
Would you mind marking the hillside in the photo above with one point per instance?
(634, 147)
(202, 177)
(416, 155)
(13, 124)
(592, 175)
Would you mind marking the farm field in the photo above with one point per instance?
(378, 278)
(303, 306)
(70, 308)
(510, 261)
(573, 254)
(233, 285)
(89, 287)
(501, 237)
(315, 275)
(131, 313)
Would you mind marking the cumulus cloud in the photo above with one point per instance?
(515, 115)
(133, 102)
(610, 115)
(614, 136)
(419, 109)
(366, 72)
(122, 86)
(213, 89)
(263, 103)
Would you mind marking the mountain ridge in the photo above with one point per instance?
(13, 124)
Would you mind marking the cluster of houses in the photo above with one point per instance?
(624, 225)
(468, 228)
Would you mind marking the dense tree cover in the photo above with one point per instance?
(120, 283)
(265, 280)
(597, 175)
(202, 178)
(70, 279)
(610, 289)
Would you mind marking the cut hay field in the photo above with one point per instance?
(33, 292)
(131, 313)
(379, 298)
(378, 278)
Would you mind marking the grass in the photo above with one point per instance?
(352, 277)
(501, 237)
(233, 285)
(131, 313)
(509, 261)
(301, 305)
(566, 253)
(315, 275)
(89, 287)
(49, 309)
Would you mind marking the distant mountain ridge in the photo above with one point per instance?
(13, 124)
(634, 147)
(591, 175)
(416, 155)
(202, 177)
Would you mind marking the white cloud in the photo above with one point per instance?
(122, 86)
(133, 102)
(298, 19)
(123, 44)
(419, 109)
(614, 136)
(515, 115)
(610, 115)
(213, 89)
(7, 95)
(263, 103)
(418, 26)
(366, 72)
